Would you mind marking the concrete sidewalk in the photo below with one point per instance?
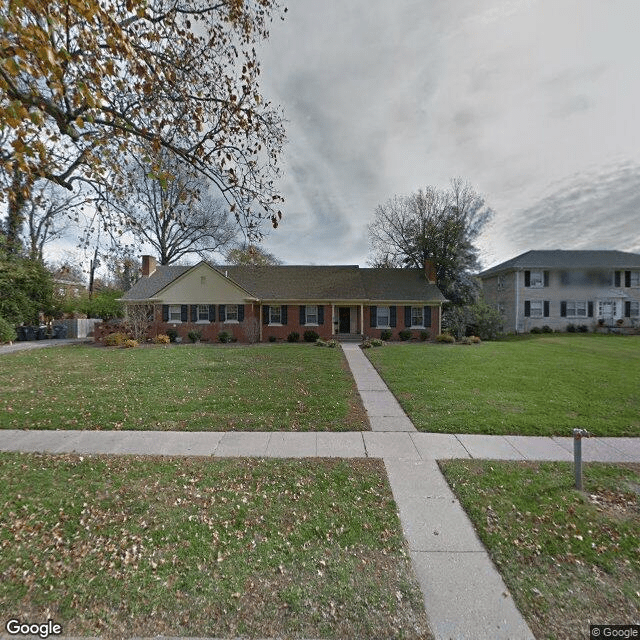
(28, 345)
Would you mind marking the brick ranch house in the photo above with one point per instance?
(256, 303)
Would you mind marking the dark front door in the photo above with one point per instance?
(344, 315)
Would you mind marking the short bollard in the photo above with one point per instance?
(578, 434)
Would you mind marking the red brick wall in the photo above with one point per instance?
(293, 324)
(374, 332)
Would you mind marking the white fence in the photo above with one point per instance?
(79, 327)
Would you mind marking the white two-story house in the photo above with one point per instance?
(561, 288)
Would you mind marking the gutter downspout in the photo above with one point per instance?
(260, 314)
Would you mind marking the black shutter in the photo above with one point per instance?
(212, 313)
(165, 313)
(563, 309)
(407, 317)
(546, 278)
(284, 314)
(184, 313)
(393, 316)
(617, 279)
(194, 313)
(265, 314)
(373, 317)
(222, 312)
(527, 278)
(427, 316)
(320, 315)
(627, 308)
(590, 306)
(546, 308)
(527, 308)
(627, 279)
(240, 312)
(303, 315)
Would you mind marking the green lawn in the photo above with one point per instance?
(545, 385)
(124, 546)
(570, 559)
(180, 387)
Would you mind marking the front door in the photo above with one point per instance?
(344, 316)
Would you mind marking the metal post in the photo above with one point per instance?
(578, 434)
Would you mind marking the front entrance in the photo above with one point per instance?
(344, 320)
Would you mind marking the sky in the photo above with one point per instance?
(534, 103)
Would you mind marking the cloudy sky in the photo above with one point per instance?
(535, 103)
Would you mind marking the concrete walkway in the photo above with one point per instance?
(28, 345)
(465, 597)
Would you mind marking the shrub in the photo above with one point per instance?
(536, 330)
(173, 334)
(386, 335)
(445, 337)
(294, 336)
(376, 342)
(162, 339)
(571, 328)
(115, 339)
(424, 335)
(272, 338)
(310, 336)
(465, 340)
(475, 340)
(479, 319)
(194, 336)
(332, 344)
(130, 344)
(366, 344)
(583, 328)
(321, 343)
(547, 329)
(224, 337)
(404, 335)
(7, 331)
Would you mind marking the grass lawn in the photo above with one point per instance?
(543, 385)
(180, 388)
(570, 559)
(129, 546)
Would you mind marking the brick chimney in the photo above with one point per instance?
(430, 271)
(148, 265)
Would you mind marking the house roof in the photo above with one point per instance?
(566, 259)
(291, 283)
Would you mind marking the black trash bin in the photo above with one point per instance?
(59, 331)
(41, 332)
(29, 333)
(22, 334)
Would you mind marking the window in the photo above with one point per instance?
(607, 309)
(501, 282)
(311, 314)
(203, 313)
(576, 308)
(536, 309)
(634, 279)
(383, 316)
(634, 308)
(175, 313)
(537, 279)
(275, 315)
(417, 316)
(232, 313)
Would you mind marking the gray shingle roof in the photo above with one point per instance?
(322, 283)
(566, 259)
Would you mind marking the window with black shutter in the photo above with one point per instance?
(527, 278)
(563, 309)
(407, 317)
(627, 279)
(527, 308)
(222, 312)
(617, 279)
(546, 308)
(427, 316)
(393, 316)
(373, 317)
(240, 312)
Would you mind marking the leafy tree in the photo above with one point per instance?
(85, 82)
(26, 288)
(178, 218)
(477, 319)
(437, 225)
(251, 255)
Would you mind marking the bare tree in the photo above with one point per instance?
(436, 225)
(249, 254)
(177, 218)
(138, 319)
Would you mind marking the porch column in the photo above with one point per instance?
(333, 324)
(361, 319)
(260, 320)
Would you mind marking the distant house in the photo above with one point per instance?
(559, 288)
(68, 283)
(256, 303)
